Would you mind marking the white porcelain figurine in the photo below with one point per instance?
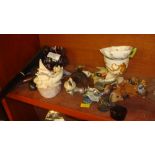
(48, 82)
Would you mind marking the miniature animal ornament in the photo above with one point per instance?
(141, 88)
(116, 96)
(70, 86)
(103, 76)
(99, 75)
(127, 89)
(82, 78)
(133, 81)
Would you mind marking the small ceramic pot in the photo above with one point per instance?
(117, 58)
(49, 92)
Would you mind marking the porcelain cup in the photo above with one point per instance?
(117, 58)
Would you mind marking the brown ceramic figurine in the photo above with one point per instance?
(81, 79)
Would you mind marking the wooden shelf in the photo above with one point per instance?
(138, 108)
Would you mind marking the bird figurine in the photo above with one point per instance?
(141, 89)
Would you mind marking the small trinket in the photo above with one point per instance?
(32, 85)
(85, 105)
(127, 89)
(48, 82)
(81, 79)
(86, 99)
(93, 94)
(99, 75)
(86, 102)
(133, 81)
(70, 86)
(141, 90)
(105, 104)
(116, 96)
(118, 112)
(54, 116)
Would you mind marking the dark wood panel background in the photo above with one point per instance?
(20, 111)
(16, 51)
(83, 49)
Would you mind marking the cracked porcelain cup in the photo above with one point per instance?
(117, 58)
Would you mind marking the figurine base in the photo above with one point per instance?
(49, 92)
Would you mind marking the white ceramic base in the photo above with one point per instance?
(49, 92)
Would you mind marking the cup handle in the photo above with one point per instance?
(133, 52)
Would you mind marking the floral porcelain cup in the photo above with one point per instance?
(117, 58)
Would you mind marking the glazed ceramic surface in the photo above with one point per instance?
(116, 66)
(117, 52)
(116, 58)
(49, 92)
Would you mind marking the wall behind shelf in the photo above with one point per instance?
(16, 51)
(83, 49)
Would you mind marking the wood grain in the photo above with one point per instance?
(64, 103)
(138, 108)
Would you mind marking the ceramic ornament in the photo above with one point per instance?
(117, 58)
(70, 86)
(48, 82)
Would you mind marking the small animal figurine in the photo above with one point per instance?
(100, 74)
(127, 89)
(133, 81)
(81, 79)
(141, 89)
(116, 96)
(70, 86)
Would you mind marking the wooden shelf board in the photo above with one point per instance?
(138, 108)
